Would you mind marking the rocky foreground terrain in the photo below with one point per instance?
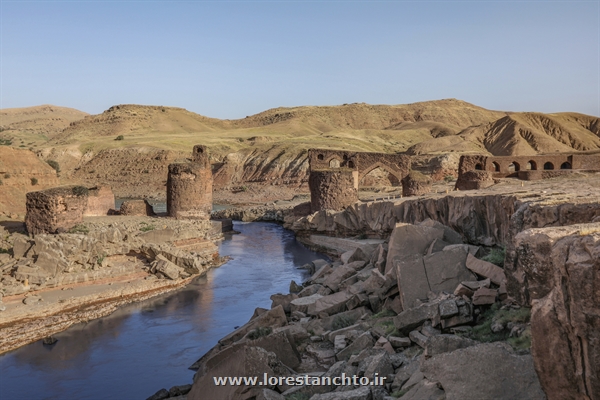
(487, 294)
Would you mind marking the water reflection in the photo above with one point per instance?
(148, 345)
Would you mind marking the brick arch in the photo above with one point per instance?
(365, 171)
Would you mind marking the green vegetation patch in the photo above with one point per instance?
(496, 256)
(147, 227)
(79, 229)
(341, 321)
(483, 330)
(34, 181)
(54, 164)
(80, 191)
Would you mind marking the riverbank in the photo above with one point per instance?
(51, 282)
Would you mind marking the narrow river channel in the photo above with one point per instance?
(150, 345)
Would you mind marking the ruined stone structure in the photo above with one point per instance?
(100, 201)
(415, 184)
(136, 207)
(361, 163)
(541, 166)
(472, 180)
(332, 189)
(55, 210)
(335, 175)
(189, 187)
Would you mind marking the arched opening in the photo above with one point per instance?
(513, 167)
(350, 164)
(320, 156)
(478, 167)
(565, 165)
(531, 165)
(345, 157)
(496, 166)
(379, 177)
(334, 163)
(199, 150)
(548, 165)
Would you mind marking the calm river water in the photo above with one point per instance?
(149, 345)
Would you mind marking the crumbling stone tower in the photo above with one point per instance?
(332, 189)
(189, 187)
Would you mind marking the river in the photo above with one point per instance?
(149, 345)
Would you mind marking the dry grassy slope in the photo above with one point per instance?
(128, 118)
(271, 146)
(33, 126)
(17, 167)
(449, 112)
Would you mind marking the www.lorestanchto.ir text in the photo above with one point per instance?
(299, 380)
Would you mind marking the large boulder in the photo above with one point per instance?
(484, 371)
(560, 266)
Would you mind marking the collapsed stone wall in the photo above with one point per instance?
(136, 207)
(101, 200)
(332, 189)
(397, 165)
(473, 180)
(415, 184)
(55, 210)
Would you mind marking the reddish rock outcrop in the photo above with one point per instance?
(100, 201)
(136, 207)
(562, 269)
(332, 189)
(55, 210)
(415, 184)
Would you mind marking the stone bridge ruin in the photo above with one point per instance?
(478, 171)
(335, 175)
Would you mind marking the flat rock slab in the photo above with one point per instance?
(486, 269)
(446, 269)
(484, 371)
(412, 280)
(407, 240)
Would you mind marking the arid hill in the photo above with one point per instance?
(21, 171)
(35, 125)
(130, 146)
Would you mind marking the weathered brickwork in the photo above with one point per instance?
(189, 187)
(55, 210)
(332, 189)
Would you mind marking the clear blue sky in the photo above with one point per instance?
(232, 59)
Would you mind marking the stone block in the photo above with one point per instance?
(412, 279)
(446, 269)
(444, 343)
(407, 240)
(486, 269)
(448, 308)
(364, 341)
(302, 304)
(412, 318)
(332, 304)
(483, 296)
(418, 338)
(484, 371)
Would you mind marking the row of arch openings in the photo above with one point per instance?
(530, 166)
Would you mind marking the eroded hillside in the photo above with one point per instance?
(130, 146)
